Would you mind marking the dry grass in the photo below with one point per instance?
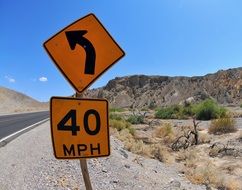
(156, 151)
(215, 151)
(232, 169)
(199, 167)
(210, 171)
(204, 138)
(165, 132)
(232, 183)
(161, 153)
(120, 125)
(206, 174)
(182, 130)
(188, 156)
(222, 126)
(125, 136)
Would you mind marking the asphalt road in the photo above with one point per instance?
(10, 124)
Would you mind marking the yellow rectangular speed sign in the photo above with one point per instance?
(79, 128)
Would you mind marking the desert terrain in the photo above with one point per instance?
(166, 133)
(16, 102)
(214, 162)
(215, 159)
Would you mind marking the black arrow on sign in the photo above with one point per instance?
(76, 37)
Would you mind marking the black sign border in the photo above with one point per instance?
(89, 84)
(51, 126)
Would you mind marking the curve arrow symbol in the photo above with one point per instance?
(76, 37)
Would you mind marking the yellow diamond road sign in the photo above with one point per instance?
(83, 51)
(79, 128)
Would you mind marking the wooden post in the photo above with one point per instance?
(85, 174)
(83, 163)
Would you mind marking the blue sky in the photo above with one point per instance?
(159, 37)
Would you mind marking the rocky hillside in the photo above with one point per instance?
(12, 101)
(225, 86)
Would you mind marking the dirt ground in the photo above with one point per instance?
(215, 162)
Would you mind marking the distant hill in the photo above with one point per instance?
(12, 102)
(225, 86)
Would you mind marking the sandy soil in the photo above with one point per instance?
(215, 162)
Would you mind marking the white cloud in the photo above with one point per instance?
(43, 79)
(10, 79)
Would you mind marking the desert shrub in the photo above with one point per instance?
(116, 110)
(144, 109)
(222, 125)
(187, 110)
(171, 112)
(222, 112)
(131, 130)
(175, 112)
(161, 153)
(165, 132)
(125, 136)
(136, 119)
(164, 113)
(208, 109)
(156, 151)
(189, 156)
(204, 138)
(115, 116)
(207, 174)
(152, 105)
(138, 147)
(119, 124)
(232, 183)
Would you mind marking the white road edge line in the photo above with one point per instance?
(26, 128)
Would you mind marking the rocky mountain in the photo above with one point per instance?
(225, 86)
(12, 101)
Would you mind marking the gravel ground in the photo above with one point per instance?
(28, 163)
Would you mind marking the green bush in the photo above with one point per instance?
(173, 112)
(241, 105)
(222, 125)
(187, 111)
(164, 113)
(208, 109)
(116, 110)
(136, 119)
(115, 116)
(131, 130)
